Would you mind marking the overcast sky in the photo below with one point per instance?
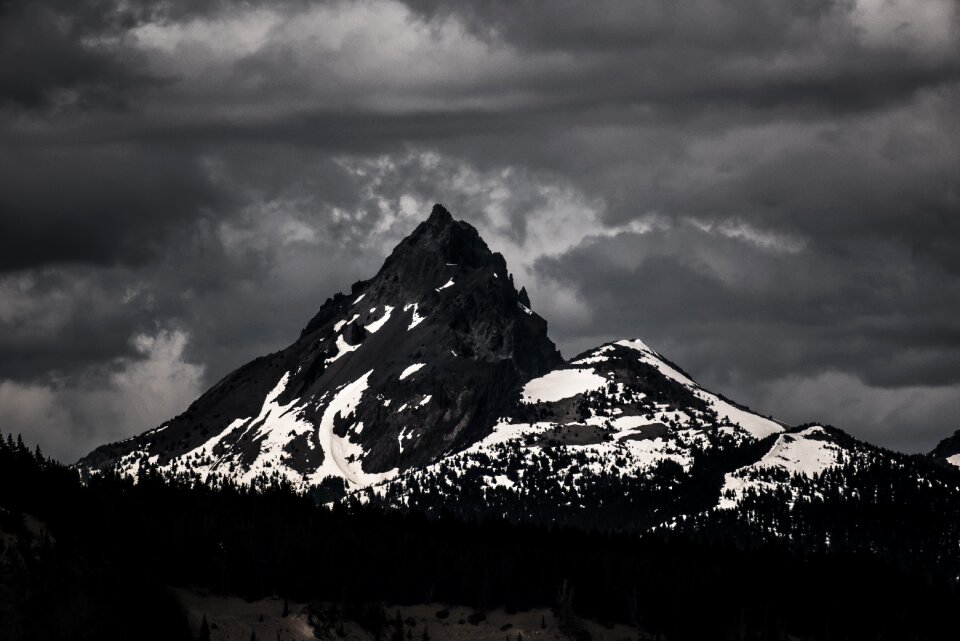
(766, 191)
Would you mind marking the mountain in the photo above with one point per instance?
(414, 364)
(948, 450)
(434, 386)
(620, 438)
(615, 436)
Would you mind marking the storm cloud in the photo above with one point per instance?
(766, 192)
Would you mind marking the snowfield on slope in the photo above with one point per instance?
(560, 384)
(342, 458)
(509, 444)
(411, 370)
(758, 426)
(274, 427)
(795, 453)
(377, 324)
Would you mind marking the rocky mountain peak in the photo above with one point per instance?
(438, 243)
(419, 361)
(439, 216)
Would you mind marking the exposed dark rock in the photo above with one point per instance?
(441, 299)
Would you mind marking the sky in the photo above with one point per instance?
(766, 191)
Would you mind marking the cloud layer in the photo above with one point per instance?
(765, 191)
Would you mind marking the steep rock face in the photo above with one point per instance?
(415, 363)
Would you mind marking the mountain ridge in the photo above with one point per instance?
(948, 450)
(435, 384)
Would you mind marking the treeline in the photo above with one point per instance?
(903, 509)
(90, 562)
(58, 577)
(546, 490)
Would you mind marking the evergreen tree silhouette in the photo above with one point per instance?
(204, 634)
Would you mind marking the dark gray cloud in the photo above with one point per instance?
(56, 55)
(98, 204)
(765, 191)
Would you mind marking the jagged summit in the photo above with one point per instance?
(415, 363)
(437, 251)
(439, 242)
(439, 216)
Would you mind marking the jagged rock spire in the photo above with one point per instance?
(417, 361)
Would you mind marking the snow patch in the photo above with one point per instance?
(635, 343)
(377, 324)
(417, 318)
(273, 428)
(757, 426)
(340, 324)
(502, 480)
(597, 356)
(411, 370)
(560, 384)
(404, 435)
(342, 458)
(342, 348)
(629, 422)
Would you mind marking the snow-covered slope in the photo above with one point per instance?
(610, 417)
(807, 453)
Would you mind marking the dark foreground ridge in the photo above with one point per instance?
(93, 562)
(947, 448)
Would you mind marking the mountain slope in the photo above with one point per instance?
(619, 438)
(617, 435)
(417, 362)
(948, 450)
(434, 386)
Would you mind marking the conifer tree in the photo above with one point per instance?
(204, 634)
